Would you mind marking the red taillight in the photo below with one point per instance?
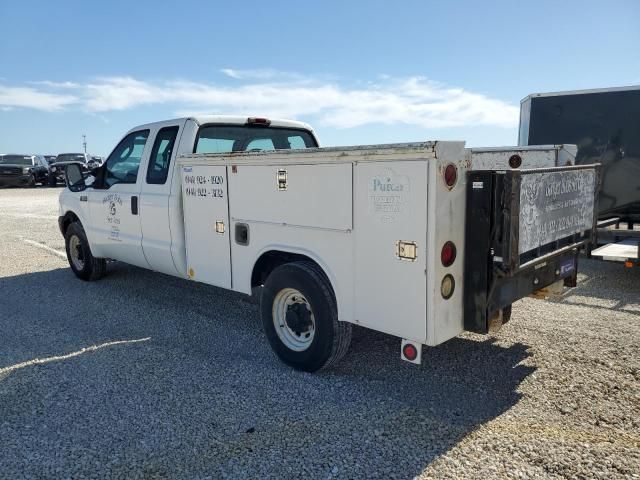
(410, 352)
(450, 175)
(258, 121)
(448, 254)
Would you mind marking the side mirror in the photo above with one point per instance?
(75, 179)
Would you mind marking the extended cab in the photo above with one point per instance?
(419, 240)
(133, 209)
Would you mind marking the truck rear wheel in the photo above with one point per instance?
(82, 262)
(300, 317)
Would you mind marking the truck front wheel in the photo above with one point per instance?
(300, 317)
(81, 261)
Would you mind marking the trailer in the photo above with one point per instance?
(605, 126)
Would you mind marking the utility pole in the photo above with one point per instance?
(84, 143)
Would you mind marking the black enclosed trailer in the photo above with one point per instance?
(605, 126)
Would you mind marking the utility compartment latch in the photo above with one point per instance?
(281, 177)
(406, 250)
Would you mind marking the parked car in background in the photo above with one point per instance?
(50, 158)
(95, 161)
(23, 170)
(63, 159)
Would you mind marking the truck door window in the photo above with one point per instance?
(122, 165)
(161, 155)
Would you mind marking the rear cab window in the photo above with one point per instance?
(240, 138)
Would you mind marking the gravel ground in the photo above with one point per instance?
(146, 376)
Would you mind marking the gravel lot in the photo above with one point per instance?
(142, 375)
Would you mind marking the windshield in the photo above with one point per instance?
(71, 157)
(240, 138)
(16, 160)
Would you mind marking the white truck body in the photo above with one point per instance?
(373, 219)
(346, 209)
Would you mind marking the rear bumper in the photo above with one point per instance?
(14, 180)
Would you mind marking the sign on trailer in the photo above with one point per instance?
(555, 205)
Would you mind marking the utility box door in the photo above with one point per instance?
(205, 201)
(390, 247)
(317, 195)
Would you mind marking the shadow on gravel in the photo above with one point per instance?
(205, 397)
(605, 285)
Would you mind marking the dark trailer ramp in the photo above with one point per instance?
(605, 125)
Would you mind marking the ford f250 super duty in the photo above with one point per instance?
(418, 240)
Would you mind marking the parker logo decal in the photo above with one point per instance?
(388, 195)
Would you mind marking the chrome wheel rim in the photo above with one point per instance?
(293, 319)
(76, 252)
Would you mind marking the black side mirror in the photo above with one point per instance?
(74, 177)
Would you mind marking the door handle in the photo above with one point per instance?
(134, 205)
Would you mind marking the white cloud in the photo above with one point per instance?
(27, 97)
(48, 83)
(387, 100)
(261, 74)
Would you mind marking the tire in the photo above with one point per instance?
(82, 262)
(32, 181)
(330, 338)
(51, 181)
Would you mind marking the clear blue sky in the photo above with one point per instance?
(358, 71)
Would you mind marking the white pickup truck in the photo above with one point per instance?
(408, 239)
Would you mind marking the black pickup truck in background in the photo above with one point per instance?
(23, 170)
(86, 162)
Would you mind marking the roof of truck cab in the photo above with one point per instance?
(230, 120)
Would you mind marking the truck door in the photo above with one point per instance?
(154, 199)
(114, 230)
(206, 220)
